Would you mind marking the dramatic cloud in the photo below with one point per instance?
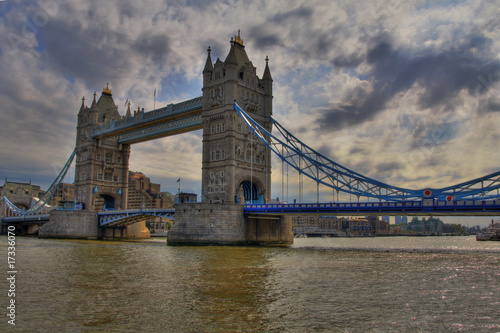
(441, 76)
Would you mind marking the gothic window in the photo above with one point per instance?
(108, 176)
(115, 178)
(217, 75)
(109, 157)
(222, 173)
(240, 128)
(98, 157)
(223, 154)
(218, 128)
(212, 129)
(99, 176)
(223, 127)
(217, 155)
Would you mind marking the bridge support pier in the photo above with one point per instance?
(225, 224)
(84, 224)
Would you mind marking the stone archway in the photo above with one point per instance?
(251, 192)
(105, 202)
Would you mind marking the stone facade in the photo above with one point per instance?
(204, 224)
(232, 156)
(101, 174)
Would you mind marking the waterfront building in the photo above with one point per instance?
(335, 226)
(64, 192)
(431, 226)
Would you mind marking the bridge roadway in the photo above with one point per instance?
(412, 208)
(122, 218)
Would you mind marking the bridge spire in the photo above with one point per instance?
(267, 72)
(129, 113)
(208, 65)
(94, 103)
(82, 108)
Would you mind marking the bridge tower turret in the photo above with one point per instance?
(234, 160)
(101, 172)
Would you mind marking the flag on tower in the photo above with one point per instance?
(178, 180)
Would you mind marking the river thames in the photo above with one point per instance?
(383, 284)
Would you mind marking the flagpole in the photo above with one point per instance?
(154, 100)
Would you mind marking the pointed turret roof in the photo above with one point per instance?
(128, 114)
(208, 65)
(267, 71)
(94, 107)
(82, 108)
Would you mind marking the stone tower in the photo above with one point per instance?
(235, 162)
(101, 175)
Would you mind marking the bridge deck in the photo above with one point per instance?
(420, 208)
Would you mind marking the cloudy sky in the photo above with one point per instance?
(405, 92)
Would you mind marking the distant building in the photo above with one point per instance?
(335, 226)
(431, 226)
(185, 197)
(64, 192)
(142, 193)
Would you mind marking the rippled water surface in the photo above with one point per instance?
(398, 284)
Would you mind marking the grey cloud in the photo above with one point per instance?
(298, 13)
(153, 46)
(441, 75)
(89, 54)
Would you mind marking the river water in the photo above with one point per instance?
(383, 284)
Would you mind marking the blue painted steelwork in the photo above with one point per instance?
(324, 171)
(47, 196)
(433, 207)
(121, 218)
(26, 218)
(154, 123)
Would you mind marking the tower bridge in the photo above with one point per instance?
(235, 115)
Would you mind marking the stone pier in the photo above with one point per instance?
(225, 224)
(84, 224)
